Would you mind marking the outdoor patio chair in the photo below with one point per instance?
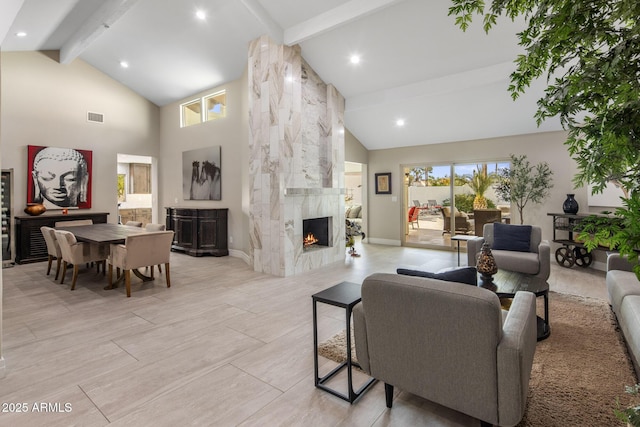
(413, 216)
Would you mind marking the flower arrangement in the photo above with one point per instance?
(352, 229)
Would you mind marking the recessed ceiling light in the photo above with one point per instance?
(201, 15)
(124, 64)
(355, 59)
(21, 34)
(400, 122)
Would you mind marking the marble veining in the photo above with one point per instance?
(297, 151)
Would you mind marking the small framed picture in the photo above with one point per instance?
(383, 183)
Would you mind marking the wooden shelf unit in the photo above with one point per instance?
(199, 231)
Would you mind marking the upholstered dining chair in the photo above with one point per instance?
(141, 250)
(53, 249)
(133, 224)
(78, 222)
(155, 227)
(77, 253)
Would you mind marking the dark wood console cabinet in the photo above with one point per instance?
(199, 231)
(30, 245)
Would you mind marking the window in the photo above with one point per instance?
(215, 106)
(122, 191)
(191, 113)
(210, 107)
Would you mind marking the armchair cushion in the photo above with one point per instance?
(467, 275)
(511, 237)
(524, 262)
(536, 261)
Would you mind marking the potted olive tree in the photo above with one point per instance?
(523, 183)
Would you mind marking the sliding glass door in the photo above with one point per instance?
(428, 189)
(442, 200)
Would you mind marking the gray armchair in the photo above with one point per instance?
(447, 342)
(535, 261)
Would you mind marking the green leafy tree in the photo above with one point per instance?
(523, 183)
(589, 52)
(418, 174)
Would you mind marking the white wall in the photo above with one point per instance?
(232, 135)
(46, 103)
(385, 222)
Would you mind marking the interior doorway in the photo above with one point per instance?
(355, 197)
(136, 184)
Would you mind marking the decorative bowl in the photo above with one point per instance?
(35, 209)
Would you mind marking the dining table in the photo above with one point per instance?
(103, 233)
(107, 233)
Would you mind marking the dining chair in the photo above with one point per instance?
(53, 249)
(155, 227)
(77, 253)
(77, 223)
(141, 250)
(133, 224)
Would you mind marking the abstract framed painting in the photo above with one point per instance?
(59, 178)
(201, 174)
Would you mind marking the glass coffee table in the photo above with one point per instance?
(506, 283)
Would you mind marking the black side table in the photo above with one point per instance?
(345, 295)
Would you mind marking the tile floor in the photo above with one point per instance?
(224, 346)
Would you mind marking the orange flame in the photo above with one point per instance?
(310, 240)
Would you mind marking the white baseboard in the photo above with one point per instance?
(236, 253)
(388, 242)
(599, 265)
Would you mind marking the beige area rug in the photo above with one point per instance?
(578, 372)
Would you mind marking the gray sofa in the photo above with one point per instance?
(624, 295)
(449, 343)
(536, 260)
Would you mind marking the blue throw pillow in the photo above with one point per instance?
(509, 237)
(467, 275)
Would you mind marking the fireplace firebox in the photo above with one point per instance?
(316, 232)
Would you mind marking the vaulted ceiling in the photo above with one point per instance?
(415, 65)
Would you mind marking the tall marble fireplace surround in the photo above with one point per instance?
(296, 160)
